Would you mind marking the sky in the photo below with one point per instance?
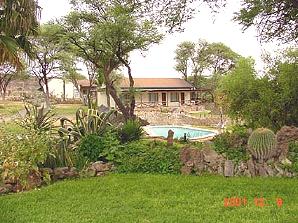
(159, 60)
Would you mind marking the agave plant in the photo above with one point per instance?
(38, 119)
(86, 123)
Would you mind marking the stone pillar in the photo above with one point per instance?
(229, 168)
(170, 138)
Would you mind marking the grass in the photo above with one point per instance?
(68, 109)
(153, 198)
(12, 127)
(8, 108)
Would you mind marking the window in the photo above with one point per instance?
(174, 97)
(153, 97)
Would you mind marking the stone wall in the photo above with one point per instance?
(160, 118)
(208, 161)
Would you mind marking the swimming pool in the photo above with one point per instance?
(179, 131)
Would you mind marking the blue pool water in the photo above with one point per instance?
(179, 132)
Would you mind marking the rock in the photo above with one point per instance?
(247, 173)
(220, 170)
(261, 170)
(34, 180)
(100, 174)
(210, 156)
(229, 168)
(91, 172)
(284, 136)
(251, 167)
(170, 138)
(4, 190)
(65, 172)
(193, 160)
(280, 172)
(100, 166)
(186, 170)
(269, 170)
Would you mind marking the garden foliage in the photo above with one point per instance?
(20, 154)
(130, 131)
(145, 156)
(232, 143)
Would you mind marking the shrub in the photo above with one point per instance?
(130, 131)
(92, 146)
(232, 144)
(21, 154)
(146, 156)
(293, 156)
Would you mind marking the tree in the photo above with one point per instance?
(104, 34)
(191, 59)
(204, 58)
(69, 71)
(47, 52)
(184, 56)
(18, 20)
(269, 101)
(274, 19)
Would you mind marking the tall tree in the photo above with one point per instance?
(69, 70)
(268, 101)
(191, 59)
(212, 59)
(184, 53)
(46, 60)
(18, 20)
(105, 32)
(274, 19)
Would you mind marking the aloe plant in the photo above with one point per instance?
(86, 123)
(38, 119)
(262, 144)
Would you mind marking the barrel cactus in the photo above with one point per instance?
(262, 144)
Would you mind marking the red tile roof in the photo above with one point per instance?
(157, 83)
(85, 83)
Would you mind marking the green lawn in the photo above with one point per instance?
(8, 108)
(153, 198)
(67, 109)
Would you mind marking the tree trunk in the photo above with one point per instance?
(75, 83)
(108, 97)
(131, 89)
(118, 102)
(63, 90)
(89, 100)
(47, 92)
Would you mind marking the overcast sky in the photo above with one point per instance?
(159, 60)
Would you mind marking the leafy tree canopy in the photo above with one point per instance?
(268, 101)
(274, 19)
(18, 20)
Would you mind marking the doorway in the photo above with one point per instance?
(164, 99)
(182, 98)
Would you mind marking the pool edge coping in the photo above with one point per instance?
(151, 134)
